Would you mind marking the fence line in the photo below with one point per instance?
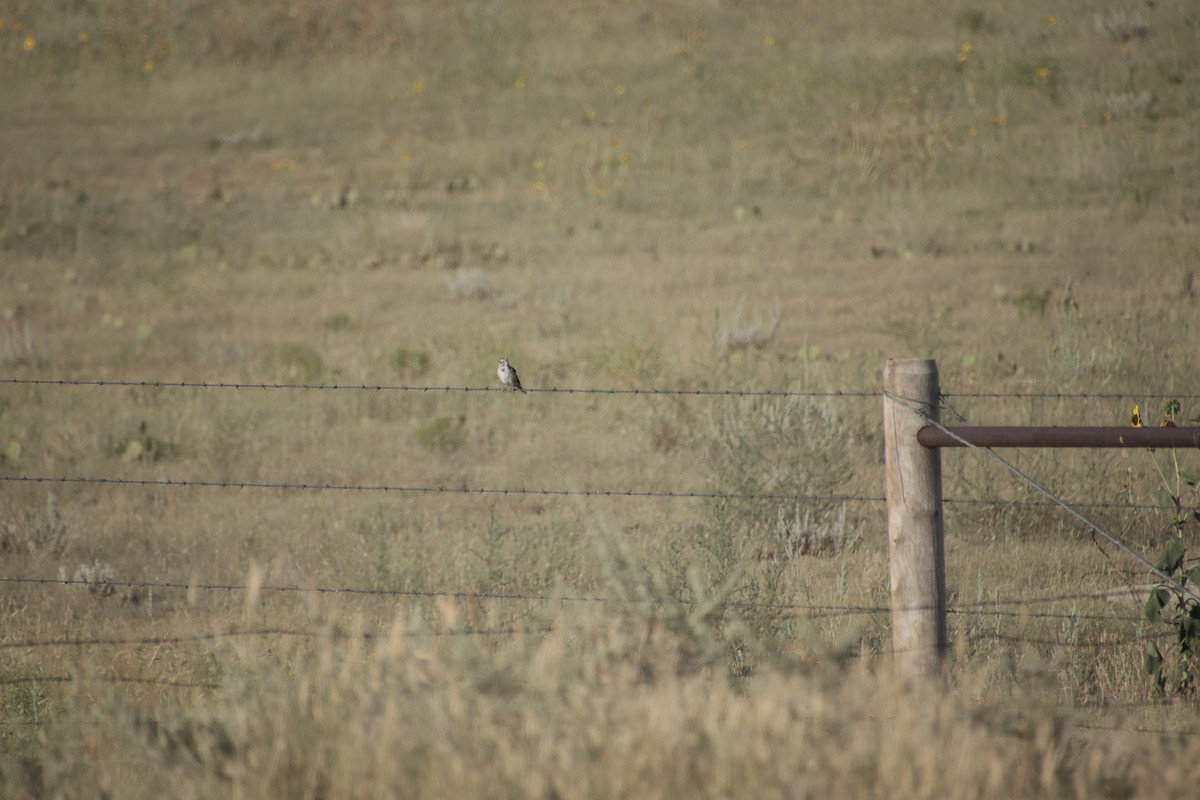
(108, 679)
(1070, 395)
(847, 498)
(1086, 644)
(157, 641)
(285, 485)
(360, 387)
(967, 501)
(813, 610)
(363, 387)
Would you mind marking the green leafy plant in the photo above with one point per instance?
(1175, 602)
(1176, 605)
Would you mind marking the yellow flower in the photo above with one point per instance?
(148, 67)
(1050, 20)
(537, 165)
(1001, 121)
(30, 44)
(960, 58)
(618, 90)
(1043, 73)
(1108, 116)
(591, 114)
(539, 187)
(768, 41)
(521, 81)
(624, 159)
(85, 37)
(972, 131)
(614, 141)
(966, 48)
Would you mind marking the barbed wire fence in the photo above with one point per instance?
(1007, 608)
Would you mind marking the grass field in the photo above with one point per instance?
(727, 196)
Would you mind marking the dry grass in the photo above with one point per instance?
(731, 197)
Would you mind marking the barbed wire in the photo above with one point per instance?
(1101, 594)
(362, 387)
(365, 387)
(981, 609)
(1070, 395)
(386, 488)
(812, 608)
(1082, 644)
(176, 639)
(353, 590)
(346, 487)
(108, 679)
(156, 641)
(1065, 615)
(969, 501)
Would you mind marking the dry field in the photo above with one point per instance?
(722, 196)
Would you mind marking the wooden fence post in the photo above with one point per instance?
(914, 500)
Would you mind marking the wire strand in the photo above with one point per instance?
(345, 487)
(361, 387)
(364, 387)
(820, 609)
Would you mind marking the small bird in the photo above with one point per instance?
(508, 376)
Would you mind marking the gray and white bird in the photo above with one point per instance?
(508, 376)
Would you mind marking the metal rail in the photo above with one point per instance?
(981, 436)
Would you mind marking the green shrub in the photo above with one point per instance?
(446, 434)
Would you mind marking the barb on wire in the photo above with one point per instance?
(347, 487)
(917, 409)
(362, 387)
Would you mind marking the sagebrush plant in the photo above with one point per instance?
(781, 447)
